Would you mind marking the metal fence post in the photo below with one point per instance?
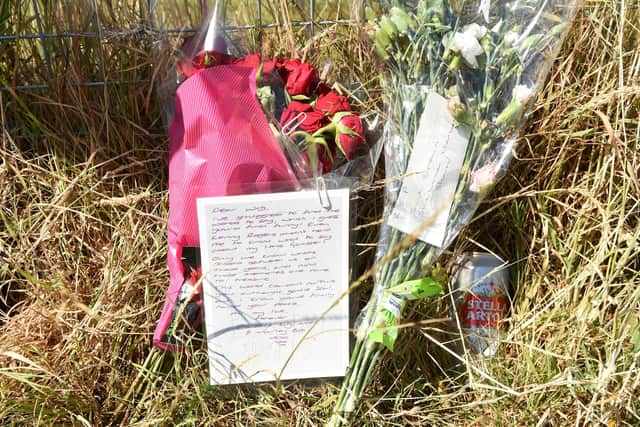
(312, 6)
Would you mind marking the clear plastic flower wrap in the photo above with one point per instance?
(461, 78)
(242, 123)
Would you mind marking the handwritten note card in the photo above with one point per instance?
(433, 172)
(274, 264)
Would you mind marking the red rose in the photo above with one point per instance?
(292, 111)
(300, 78)
(325, 162)
(300, 116)
(204, 59)
(331, 103)
(350, 135)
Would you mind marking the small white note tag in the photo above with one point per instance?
(432, 175)
(274, 266)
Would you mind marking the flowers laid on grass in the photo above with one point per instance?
(487, 76)
(244, 125)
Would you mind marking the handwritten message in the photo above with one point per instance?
(433, 172)
(273, 265)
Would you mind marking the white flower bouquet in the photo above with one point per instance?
(461, 78)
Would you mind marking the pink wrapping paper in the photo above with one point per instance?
(221, 144)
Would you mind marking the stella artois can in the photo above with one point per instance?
(480, 282)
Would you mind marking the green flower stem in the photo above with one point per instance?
(366, 352)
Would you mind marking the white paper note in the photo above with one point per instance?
(432, 175)
(273, 264)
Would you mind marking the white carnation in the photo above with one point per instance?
(477, 31)
(467, 43)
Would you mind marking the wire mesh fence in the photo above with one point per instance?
(93, 74)
(95, 30)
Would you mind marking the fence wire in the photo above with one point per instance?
(44, 38)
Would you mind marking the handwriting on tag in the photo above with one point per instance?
(429, 186)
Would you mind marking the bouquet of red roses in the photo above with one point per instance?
(245, 125)
(316, 118)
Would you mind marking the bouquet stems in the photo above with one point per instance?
(366, 352)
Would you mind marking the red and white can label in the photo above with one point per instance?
(481, 312)
(481, 286)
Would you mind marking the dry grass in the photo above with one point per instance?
(83, 204)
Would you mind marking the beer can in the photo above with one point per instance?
(480, 285)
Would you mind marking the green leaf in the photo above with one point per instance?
(417, 289)
(387, 333)
(304, 98)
